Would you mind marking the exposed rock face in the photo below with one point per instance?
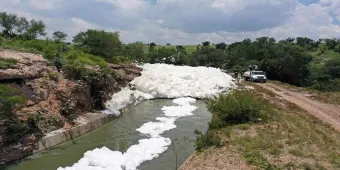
(125, 73)
(29, 66)
(54, 97)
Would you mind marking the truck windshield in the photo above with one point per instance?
(258, 73)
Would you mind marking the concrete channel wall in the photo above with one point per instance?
(96, 120)
(66, 135)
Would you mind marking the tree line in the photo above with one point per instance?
(292, 60)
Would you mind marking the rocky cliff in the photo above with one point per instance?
(52, 98)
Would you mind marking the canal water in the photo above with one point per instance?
(120, 134)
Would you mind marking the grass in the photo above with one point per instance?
(7, 63)
(79, 57)
(292, 139)
(31, 46)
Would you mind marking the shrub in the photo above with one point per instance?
(10, 99)
(34, 121)
(207, 140)
(327, 86)
(37, 45)
(1, 41)
(81, 58)
(7, 63)
(239, 107)
(16, 131)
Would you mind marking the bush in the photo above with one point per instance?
(10, 99)
(207, 140)
(239, 107)
(332, 85)
(1, 41)
(7, 63)
(16, 131)
(81, 58)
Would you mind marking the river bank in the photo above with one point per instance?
(50, 100)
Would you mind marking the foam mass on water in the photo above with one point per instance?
(157, 81)
(169, 81)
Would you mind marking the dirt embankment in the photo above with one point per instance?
(52, 96)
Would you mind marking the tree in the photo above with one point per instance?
(290, 40)
(168, 44)
(331, 43)
(135, 51)
(8, 23)
(59, 36)
(22, 25)
(332, 68)
(221, 46)
(206, 43)
(101, 43)
(152, 46)
(35, 29)
(180, 48)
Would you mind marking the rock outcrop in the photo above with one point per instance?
(29, 66)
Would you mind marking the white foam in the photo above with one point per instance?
(169, 81)
(106, 159)
(146, 150)
(179, 111)
(154, 129)
(184, 101)
(123, 98)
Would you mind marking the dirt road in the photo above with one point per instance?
(326, 112)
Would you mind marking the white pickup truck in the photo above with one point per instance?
(255, 76)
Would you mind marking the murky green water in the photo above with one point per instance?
(121, 134)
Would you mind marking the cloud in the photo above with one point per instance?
(45, 4)
(186, 21)
(125, 5)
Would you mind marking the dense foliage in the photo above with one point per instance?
(101, 43)
(240, 106)
(10, 100)
(15, 26)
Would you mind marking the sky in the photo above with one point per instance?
(186, 21)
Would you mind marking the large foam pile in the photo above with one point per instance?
(146, 149)
(169, 81)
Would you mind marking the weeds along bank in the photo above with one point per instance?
(254, 129)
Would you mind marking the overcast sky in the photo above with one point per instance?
(186, 21)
